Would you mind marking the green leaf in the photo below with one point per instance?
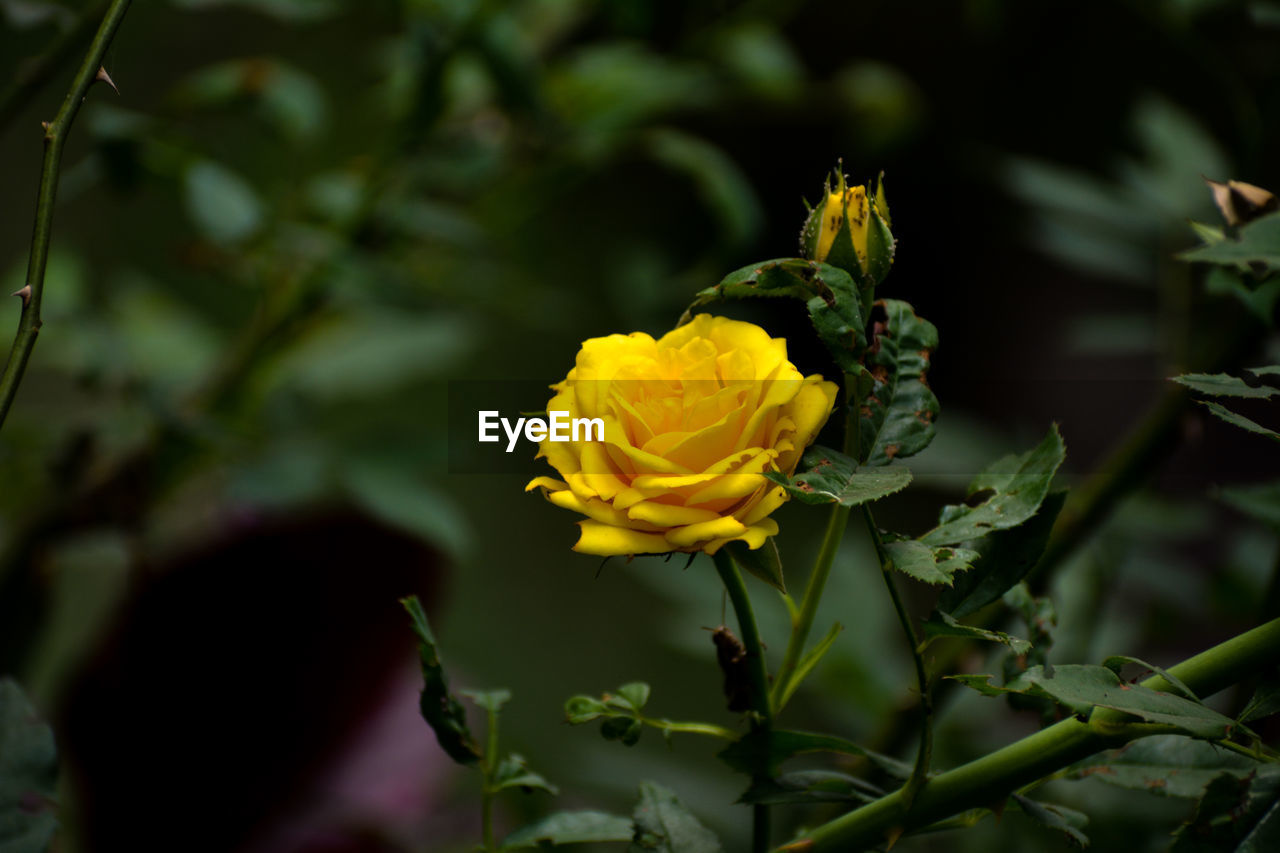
(1262, 501)
(440, 708)
(513, 772)
(285, 96)
(583, 709)
(931, 565)
(942, 624)
(808, 662)
(1235, 816)
(490, 700)
(289, 11)
(1222, 385)
(722, 187)
(1265, 700)
(810, 786)
(1116, 663)
(636, 694)
(764, 562)
(1005, 557)
(760, 753)
(1255, 243)
(829, 294)
(1058, 818)
(28, 774)
(1082, 688)
(576, 827)
(898, 414)
(831, 477)
(1006, 494)
(625, 729)
(1169, 765)
(1260, 299)
(1240, 420)
(663, 825)
(221, 204)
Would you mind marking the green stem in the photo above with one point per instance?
(756, 672)
(709, 729)
(924, 752)
(802, 622)
(489, 765)
(986, 781)
(55, 135)
(33, 73)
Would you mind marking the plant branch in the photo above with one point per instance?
(756, 672)
(55, 135)
(986, 781)
(924, 752)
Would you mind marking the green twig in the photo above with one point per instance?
(924, 752)
(33, 73)
(986, 781)
(489, 767)
(55, 136)
(756, 673)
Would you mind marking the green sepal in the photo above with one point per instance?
(831, 477)
(829, 294)
(897, 415)
(764, 562)
(440, 708)
(880, 248)
(882, 201)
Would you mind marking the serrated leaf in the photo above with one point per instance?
(760, 753)
(1005, 495)
(1223, 385)
(570, 827)
(829, 294)
(513, 772)
(664, 825)
(1081, 688)
(1169, 765)
(440, 708)
(1255, 243)
(1060, 819)
(930, 565)
(832, 477)
(942, 624)
(1239, 420)
(764, 562)
(1235, 816)
(28, 774)
(898, 413)
(1005, 557)
(808, 662)
(810, 786)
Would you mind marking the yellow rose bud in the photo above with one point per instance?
(849, 229)
(691, 423)
(850, 202)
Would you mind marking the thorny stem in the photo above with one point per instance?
(924, 753)
(55, 135)
(759, 677)
(987, 780)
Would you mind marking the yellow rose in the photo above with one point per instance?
(837, 202)
(691, 422)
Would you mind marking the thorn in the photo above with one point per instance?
(25, 293)
(44, 125)
(689, 562)
(103, 77)
(601, 567)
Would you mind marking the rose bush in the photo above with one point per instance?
(691, 422)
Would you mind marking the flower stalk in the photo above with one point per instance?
(55, 135)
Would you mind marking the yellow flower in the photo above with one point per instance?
(691, 422)
(842, 199)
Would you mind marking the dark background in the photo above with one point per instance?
(300, 222)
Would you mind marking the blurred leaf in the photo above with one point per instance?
(1261, 299)
(1006, 494)
(624, 729)
(829, 294)
(1169, 765)
(1060, 819)
(1265, 700)
(579, 827)
(723, 188)
(402, 500)
(1234, 816)
(28, 774)
(513, 772)
(286, 97)
(761, 60)
(928, 564)
(763, 562)
(881, 102)
(26, 14)
(1112, 334)
(831, 477)
(942, 624)
(163, 341)
(761, 752)
(663, 825)
(897, 417)
(1222, 385)
(808, 662)
(810, 786)
(1239, 420)
(1255, 243)
(289, 11)
(635, 694)
(1081, 688)
(583, 709)
(221, 204)
(488, 700)
(440, 708)
(1005, 557)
